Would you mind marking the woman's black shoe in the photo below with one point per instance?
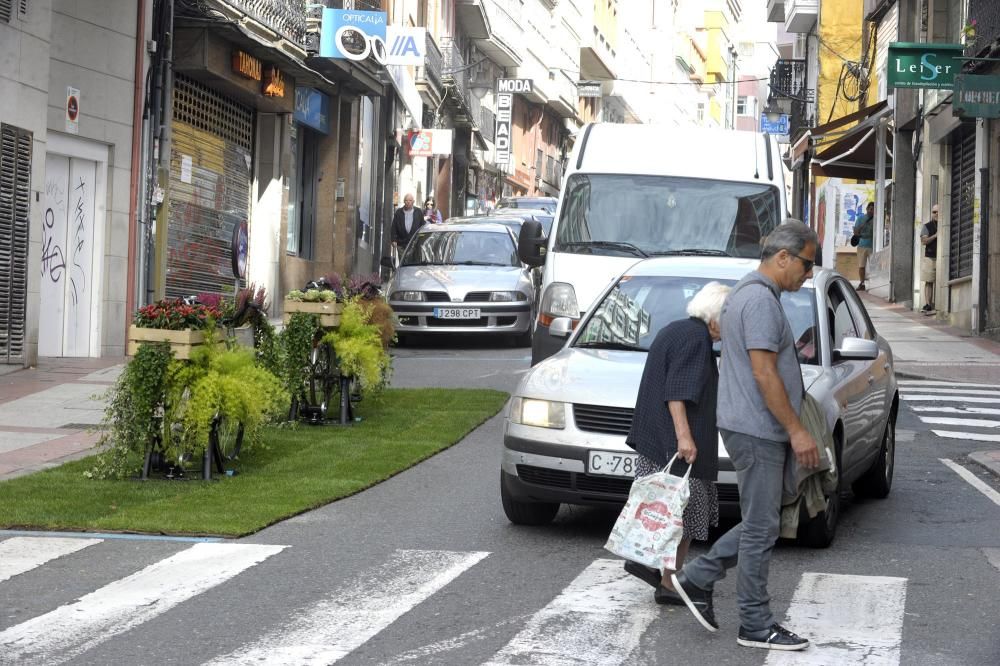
(666, 596)
(648, 575)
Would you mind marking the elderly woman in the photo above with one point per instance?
(675, 413)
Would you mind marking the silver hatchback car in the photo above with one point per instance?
(463, 278)
(564, 438)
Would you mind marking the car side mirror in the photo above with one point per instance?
(531, 243)
(561, 327)
(856, 349)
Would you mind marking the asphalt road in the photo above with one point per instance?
(425, 569)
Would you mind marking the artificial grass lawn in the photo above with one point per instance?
(301, 468)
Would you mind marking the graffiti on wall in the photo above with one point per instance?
(53, 258)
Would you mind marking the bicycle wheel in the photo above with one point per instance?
(321, 383)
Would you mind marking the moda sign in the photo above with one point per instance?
(923, 65)
(506, 88)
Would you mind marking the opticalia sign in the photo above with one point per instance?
(923, 65)
(356, 35)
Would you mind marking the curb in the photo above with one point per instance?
(987, 459)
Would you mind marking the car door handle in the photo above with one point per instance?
(871, 379)
(887, 366)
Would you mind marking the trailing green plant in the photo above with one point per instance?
(225, 384)
(359, 348)
(296, 343)
(130, 418)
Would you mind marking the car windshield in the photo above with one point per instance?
(635, 310)
(527, 202)
(610, 214)
(461, 247)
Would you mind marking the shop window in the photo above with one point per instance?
(302, 192)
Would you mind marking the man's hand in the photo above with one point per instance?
(687, 449)
(805, 448)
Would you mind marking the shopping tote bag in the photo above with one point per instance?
(650, 527)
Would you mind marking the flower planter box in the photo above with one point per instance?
(181, 342)
(329, 313)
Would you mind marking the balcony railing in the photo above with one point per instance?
(285, 17)
(454, 72)
(433, 64)
(789, 79)
(987, 15)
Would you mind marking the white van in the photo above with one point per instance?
(635, 191)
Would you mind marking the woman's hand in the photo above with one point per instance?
(687, 449)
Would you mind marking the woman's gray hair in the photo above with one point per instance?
(792, 235)
(707, 303)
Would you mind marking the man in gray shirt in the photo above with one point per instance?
(760, 393)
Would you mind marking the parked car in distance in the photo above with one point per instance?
(543, 217)
(564, 437)
(512, 222)
(461, 277)
(543, 203)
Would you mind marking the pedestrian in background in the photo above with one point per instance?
(431, 214)
(928, 262)
(405, 223)
(864, 231)
(760, 395)
(675, 413)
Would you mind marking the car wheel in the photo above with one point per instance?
(877, 482)
(526, 513)
(821, 530)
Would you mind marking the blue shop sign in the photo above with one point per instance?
(312, 109)
(778, 127)
(353, 35)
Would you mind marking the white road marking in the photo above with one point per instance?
(21, 554)
(993, 557)
(989, 411)
(975, 436)
(968, 423)
(950, 398)
(126, 603)
(599, 617)
(973, 480)
(847, 619)
(348, 617)
(421, 654)
(945, 391)
(938, 382)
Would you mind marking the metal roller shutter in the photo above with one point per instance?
(15, 198)
(963, 196)
(210, 180)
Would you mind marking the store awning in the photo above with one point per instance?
(847, 153)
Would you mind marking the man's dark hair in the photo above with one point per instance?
(793, 235)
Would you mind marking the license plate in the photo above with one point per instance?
(456, 313)
(610, 463)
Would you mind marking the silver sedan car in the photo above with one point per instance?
(463, 278)
(564, 439)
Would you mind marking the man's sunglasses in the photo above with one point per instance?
(807, 264)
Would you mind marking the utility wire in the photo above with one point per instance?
(665, 83)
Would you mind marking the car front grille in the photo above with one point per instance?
(556, 478)
(598, 418)
(437, 296)
(474, 296)
(457, 323)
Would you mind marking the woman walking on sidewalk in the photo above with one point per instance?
(675, 413)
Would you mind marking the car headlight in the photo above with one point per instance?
(408, 296)
(559, 300)
(507, 296)
(539, 413)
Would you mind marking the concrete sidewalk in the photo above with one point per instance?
(45, 412)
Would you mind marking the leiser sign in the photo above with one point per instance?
(923, 65)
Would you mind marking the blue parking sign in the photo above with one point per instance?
(779, 127)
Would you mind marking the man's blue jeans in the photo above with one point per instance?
(760, 465)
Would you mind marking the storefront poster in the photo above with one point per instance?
(428, 142)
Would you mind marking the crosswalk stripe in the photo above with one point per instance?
(74, 628)
(847, 619)
(600, 616)
(968, 423)
(973, 480)
(941, 409)
(938, 382)
(21, 554)
(349, 617)
(949, 398)
(979, 437)
(950, 391)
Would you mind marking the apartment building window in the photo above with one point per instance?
(741, 105)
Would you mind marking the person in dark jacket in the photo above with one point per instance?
(675, 413)
(405, 223)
